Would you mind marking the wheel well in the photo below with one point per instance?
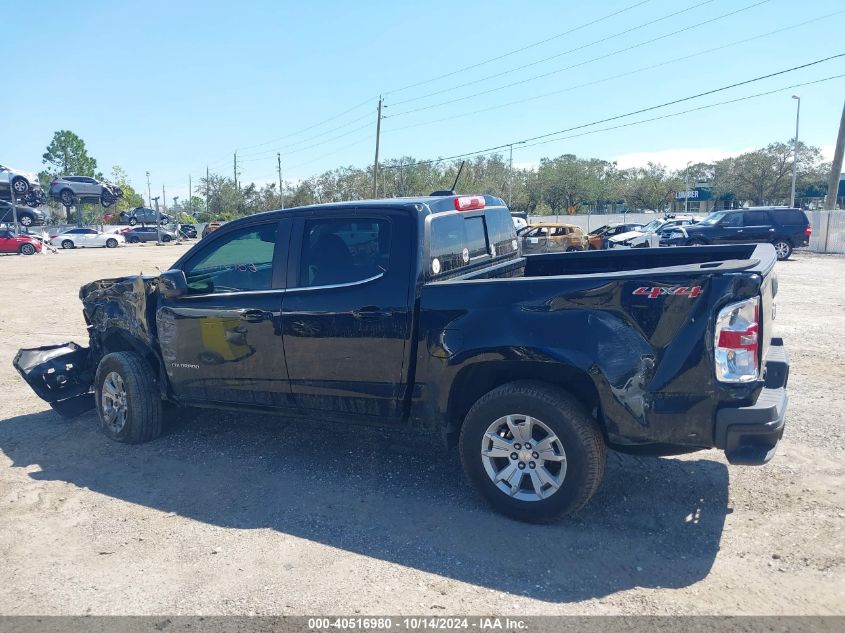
(117, 341)
(476, 380)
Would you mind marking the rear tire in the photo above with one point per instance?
(106, 199)
(133, 221)
(67, 244)
(783, 249)
(128, 404)
(66, 197)
(542, 411)
(26, 219)
(111, 243)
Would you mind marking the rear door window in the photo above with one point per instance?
(755, 218)
(343, 251)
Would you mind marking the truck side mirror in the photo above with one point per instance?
(172, 284)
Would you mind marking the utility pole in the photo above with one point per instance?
(795, 152)
(281, 186)
(158, 225)
(149, 194)
(163, 203)
(206, 192)
(686, 186)
(836, 167)
(510, 176)
(375, 164)
(236, 172)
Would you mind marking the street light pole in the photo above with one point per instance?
(795, 151)
(149, 193)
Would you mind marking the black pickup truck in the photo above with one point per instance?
(423, 311)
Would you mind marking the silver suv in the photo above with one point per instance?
(69, 189)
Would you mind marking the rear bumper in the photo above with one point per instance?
(750, 435)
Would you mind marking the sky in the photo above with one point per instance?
(171, 88)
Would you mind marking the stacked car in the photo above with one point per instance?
(72, 189)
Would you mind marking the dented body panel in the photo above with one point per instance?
(629, 333)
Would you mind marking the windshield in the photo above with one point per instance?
(713, 218)
(652, 226)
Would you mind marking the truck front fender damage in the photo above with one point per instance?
(63, 375)
(59, 374)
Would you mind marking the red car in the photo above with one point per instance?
(23, 244)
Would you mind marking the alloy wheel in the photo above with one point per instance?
(114, 402)
(523, 457)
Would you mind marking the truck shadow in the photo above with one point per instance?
(395, 496)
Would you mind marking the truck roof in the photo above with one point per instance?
(422, 204)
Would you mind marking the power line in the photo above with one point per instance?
(579, 64)
(642, 110)
(619, 75)
(304, 149)
(519, 50)
(696, 109)
(561, 54)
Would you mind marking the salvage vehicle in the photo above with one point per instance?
(598, 238)
(553, 238)
(21, 244)
(27, 216)
(17, 180)
(69, 189)
(650, 235)
(86, 238)
(783, 227)
(424, 312)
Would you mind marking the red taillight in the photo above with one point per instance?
(53, 236)
(469, 203)
(808, 231)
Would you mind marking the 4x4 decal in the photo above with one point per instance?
(658, 291)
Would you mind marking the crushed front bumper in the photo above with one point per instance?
(750, 435)
(62, 375)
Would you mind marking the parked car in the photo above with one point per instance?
(783, 227)
(143, 215)
(553, 238)
(23, 244)
(68, 189)
(86, 238)
(17, 180)
(33, 198)
(148, 234)
(597, 239)
(210, 227)
(649, 236)
(531, 365)
(27, 216)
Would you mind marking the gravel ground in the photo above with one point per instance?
(243, 514)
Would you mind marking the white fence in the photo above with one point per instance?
(828, 226)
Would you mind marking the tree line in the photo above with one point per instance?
(565, 184)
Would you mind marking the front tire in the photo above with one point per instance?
(783, 249)
(106, 200)
(27, 249)
(165, 238)
(66, 197)
(111, 243)
(133, 221)
(532, 451)
(128, 405)
(26, 219)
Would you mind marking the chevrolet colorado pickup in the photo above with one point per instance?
(423, 311)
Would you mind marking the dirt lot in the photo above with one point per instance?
(247, 514)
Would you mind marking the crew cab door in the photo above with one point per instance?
(222, 342)
(730, 229)
(345, 314)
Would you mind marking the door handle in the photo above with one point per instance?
(739, 230)
(370, 312)
(254, 316)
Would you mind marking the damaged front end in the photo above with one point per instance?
(117, 314)
(59, 374)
